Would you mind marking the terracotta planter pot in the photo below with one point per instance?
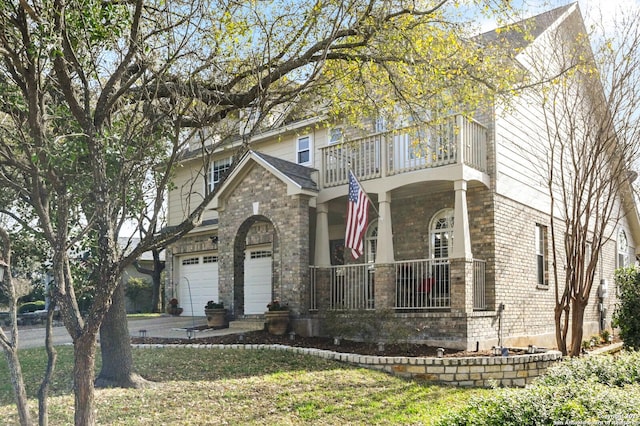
(277, 322)
(216, 318)
(174, 311)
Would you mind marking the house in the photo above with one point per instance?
(457, 249)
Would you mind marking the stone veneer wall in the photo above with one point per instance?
(529, 308)
(289, 215)
(516, 370)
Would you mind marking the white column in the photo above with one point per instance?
(385, 231)
(461, 235)
(322, 255)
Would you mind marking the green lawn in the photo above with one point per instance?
(205, 386)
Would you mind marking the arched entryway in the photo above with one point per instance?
(256, 268)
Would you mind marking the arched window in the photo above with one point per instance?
(441, 234)
(623, 249)
(371, 242)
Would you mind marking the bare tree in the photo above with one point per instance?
(591, 127)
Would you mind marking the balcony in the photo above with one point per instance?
(456, 141)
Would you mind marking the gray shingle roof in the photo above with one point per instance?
(520, 34)
(301, 175)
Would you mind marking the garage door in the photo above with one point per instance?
(257, 280)
(198, 283)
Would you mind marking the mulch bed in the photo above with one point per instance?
(346, 346)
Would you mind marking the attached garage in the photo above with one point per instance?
(198, 282)
(257, 280)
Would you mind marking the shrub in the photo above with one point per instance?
(366, 325)
(31, 306)
(627, 312)
(582, 390)
(138, 290)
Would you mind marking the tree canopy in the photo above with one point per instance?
(97, 97)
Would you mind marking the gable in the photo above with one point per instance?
(297, 179)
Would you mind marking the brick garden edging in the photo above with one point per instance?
(513, 370)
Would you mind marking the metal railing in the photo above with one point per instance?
(423, 284)
(456, 140)
(479, 285)
(351, 287)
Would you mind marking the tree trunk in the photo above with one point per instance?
(577, 322)
(156, 283)
(84, 350)
(43, 391)
(115, 346)
(561, 336)
(18, 386)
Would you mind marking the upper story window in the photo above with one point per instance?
(303, 150)
(336, 135)
(217, 171)
(380, 125)
(623, 249)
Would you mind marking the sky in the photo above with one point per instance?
(601, 10)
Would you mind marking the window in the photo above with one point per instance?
(380, 125)
(303, 150)
(623, 249)
(209, 259)
(217, 171)
(442, 234)
(371, 242)
(260, 254)
(191, 261)
(541, 255)
(335, 135)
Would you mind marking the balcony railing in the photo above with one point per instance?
(457, 140)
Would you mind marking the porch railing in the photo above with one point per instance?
(479, 285)
(419, 285)
(423, 284)
(351, 287)
(457, 140)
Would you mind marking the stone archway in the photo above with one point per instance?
(252, 197)
(256, 235)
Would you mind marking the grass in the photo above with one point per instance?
(147, 315)
(205, 387)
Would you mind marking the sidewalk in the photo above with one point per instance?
(177, 327)
(162, 326)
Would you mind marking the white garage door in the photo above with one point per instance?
(257, 280)
(198, 283)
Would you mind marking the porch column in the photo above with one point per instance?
(385, 232)
(322, 254)
(461, 234)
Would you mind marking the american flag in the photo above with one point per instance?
(357, 217)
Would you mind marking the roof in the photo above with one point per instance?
(297, 178)
(520, 34)
(129, 243)
(301, 175)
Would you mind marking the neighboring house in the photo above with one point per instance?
(457, 247)
(145, 261)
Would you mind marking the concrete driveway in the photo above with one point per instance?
(163, 326)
